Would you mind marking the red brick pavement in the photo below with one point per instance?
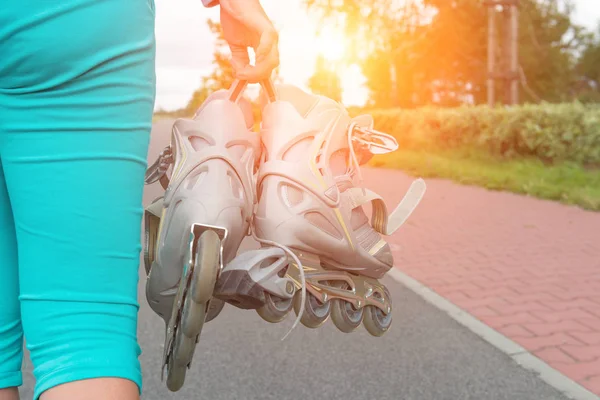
(528, 268)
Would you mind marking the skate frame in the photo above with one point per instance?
(360, 287)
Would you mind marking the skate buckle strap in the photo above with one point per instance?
(238, 87)
(305, 181)
(158, 170)
(380, 220)
(372, 141)
(367, 142)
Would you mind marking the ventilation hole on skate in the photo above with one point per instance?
(237, 150)
(338, 162)
(259, 190)
(322, 148)
(268, 262)
(319, 221)
(196, 178)
(291, 196)
(297, 152)
(198, 143)
(283, 271)
(237, 190)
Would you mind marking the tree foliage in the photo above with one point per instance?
(588, 69)
(325, 81)
(222, 75)
(435, 51)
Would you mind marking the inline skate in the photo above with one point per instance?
(309, 207)
(196, 227)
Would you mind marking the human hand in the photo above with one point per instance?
(245, 24)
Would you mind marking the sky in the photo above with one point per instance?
(184, 47)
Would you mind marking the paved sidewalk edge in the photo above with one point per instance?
(525, 359)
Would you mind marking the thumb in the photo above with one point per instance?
(239, 57)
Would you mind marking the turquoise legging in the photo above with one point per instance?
(77, 88)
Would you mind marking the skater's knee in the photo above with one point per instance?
(75, 341)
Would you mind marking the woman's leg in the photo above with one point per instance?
(76, 99)
(11, 333)
(77, 205)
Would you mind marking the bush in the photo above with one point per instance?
(549, 132)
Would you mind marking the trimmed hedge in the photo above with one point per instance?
(550, 132)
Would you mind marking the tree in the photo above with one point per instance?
(548, 43)
(222, 75)
(435, 51)
(453, 56)
(325, 81)
(588, 70)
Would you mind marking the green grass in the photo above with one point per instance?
(568, 183)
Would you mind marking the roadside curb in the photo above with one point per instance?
(517, 353)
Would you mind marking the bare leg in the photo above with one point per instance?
(10, 394)
(92, 389)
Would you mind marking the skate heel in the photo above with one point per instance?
(237, 288)
(198, 279)
(257, 280)
(207, 171)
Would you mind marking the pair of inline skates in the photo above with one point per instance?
(291, 187)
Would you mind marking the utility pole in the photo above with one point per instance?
(509, 51)
(491, 55)
(514, 56)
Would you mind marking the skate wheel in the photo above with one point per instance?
(343, 314)
(175, 377)
(315, 313)
(192, 318)
(183, 350)
(206, 267)
(376, 322)
(275, 309)
(180, 358)
(202, 283)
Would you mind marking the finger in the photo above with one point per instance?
(263, 69)
(268, 40)
(239, 57)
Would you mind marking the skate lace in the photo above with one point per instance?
(354, 164)
(300, 268)
(366, 140)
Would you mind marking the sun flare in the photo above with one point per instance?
(331, 44)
